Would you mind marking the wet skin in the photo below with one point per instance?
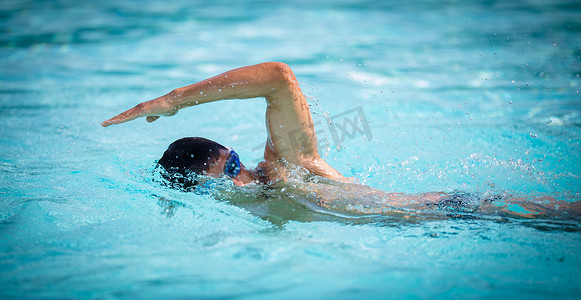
(291, 141)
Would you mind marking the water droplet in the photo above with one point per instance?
(219, 90)
(201, 93)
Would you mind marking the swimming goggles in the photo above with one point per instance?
(232, 167)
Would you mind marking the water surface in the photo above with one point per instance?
(479, 96)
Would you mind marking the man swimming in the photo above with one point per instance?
(291, 142)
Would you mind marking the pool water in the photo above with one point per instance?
(476, 96)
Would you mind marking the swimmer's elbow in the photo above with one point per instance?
(278, 67)
(278, 71)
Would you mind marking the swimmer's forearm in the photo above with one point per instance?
(242, 83)
(260, 80)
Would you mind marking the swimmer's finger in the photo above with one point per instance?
(123, 117)
(151, 109)
(152, 118)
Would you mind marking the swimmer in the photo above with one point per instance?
(291, 142)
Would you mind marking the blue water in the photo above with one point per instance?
(478, 96)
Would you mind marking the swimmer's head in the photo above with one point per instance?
(199, 156)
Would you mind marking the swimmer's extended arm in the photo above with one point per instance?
(246, 82)
(291, 134)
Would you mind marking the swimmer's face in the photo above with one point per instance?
(227, 164)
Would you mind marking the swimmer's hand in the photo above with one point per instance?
(151, 109)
